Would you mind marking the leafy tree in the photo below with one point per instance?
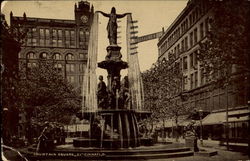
(163, 91)
(226, 45)
(46, 95)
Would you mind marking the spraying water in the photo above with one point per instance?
(134, 74)
(89, 102)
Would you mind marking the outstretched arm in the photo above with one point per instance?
(104, 14)
(122, 15)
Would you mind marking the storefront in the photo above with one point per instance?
(238, 121)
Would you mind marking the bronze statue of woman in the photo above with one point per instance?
(112, 24)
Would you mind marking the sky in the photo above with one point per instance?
(151, 15)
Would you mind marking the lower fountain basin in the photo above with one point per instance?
(108, 143)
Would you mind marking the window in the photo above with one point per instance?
(34, 42)
(178, 50)
(58, 67)
(43, 55)
(31, 65)
(69, 57)
(182, 46)
(41, 42)
(80, 78)
(192, 81)
(67, 38)
(81, 56)
(191, 60)
(201, 31)
(72, 38)
(31, 37)
(41, 33)
(70, 67)
(31, 55)
(59, 34)
(185, 82)
(190, 19)
(81, 38)
(67, 34)
(202, 77)
(29, 41)
(195, 36)
(47, 33)
(71, 79)
(54, 34)
(60, 43)
(57, 56)
(185, 63)
(191, 39)
(47, 37)
(54, 37)
(81, 67)
(42, 37)
(195, 58)
(186, 43)
(33, 31)
(54, 43)
(34, 64)
(195, 79)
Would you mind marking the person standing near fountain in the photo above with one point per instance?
(102, 93)
(112, 24)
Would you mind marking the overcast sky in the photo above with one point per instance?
(152, 16)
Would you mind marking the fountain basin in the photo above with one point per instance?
(112, 128)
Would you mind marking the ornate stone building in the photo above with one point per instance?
(65, 41)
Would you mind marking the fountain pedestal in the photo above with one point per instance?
(117, 129)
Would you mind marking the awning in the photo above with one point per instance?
(239, 115)
(220, 117)
(214, 118)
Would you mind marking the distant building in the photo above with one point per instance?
(180, 44)
(65, 41)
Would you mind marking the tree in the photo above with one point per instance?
(163, 91)
(226, 45)
(46, 95)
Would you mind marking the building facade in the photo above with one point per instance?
(180, 44)
(64, 41)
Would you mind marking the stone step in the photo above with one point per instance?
(151, 156)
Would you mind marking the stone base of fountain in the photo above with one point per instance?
(117, 128)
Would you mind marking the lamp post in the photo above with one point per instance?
(200, 114)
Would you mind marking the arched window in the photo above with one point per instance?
(43, 55)
(58, 67)
(57, 56)
(31, 55)
(69, 57)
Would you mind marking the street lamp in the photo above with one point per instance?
(200, 114)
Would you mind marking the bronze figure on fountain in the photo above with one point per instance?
(112, 24)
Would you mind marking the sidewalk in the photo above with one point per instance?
(213, 144)
(223, 153)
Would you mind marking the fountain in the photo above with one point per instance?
(116, 113)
